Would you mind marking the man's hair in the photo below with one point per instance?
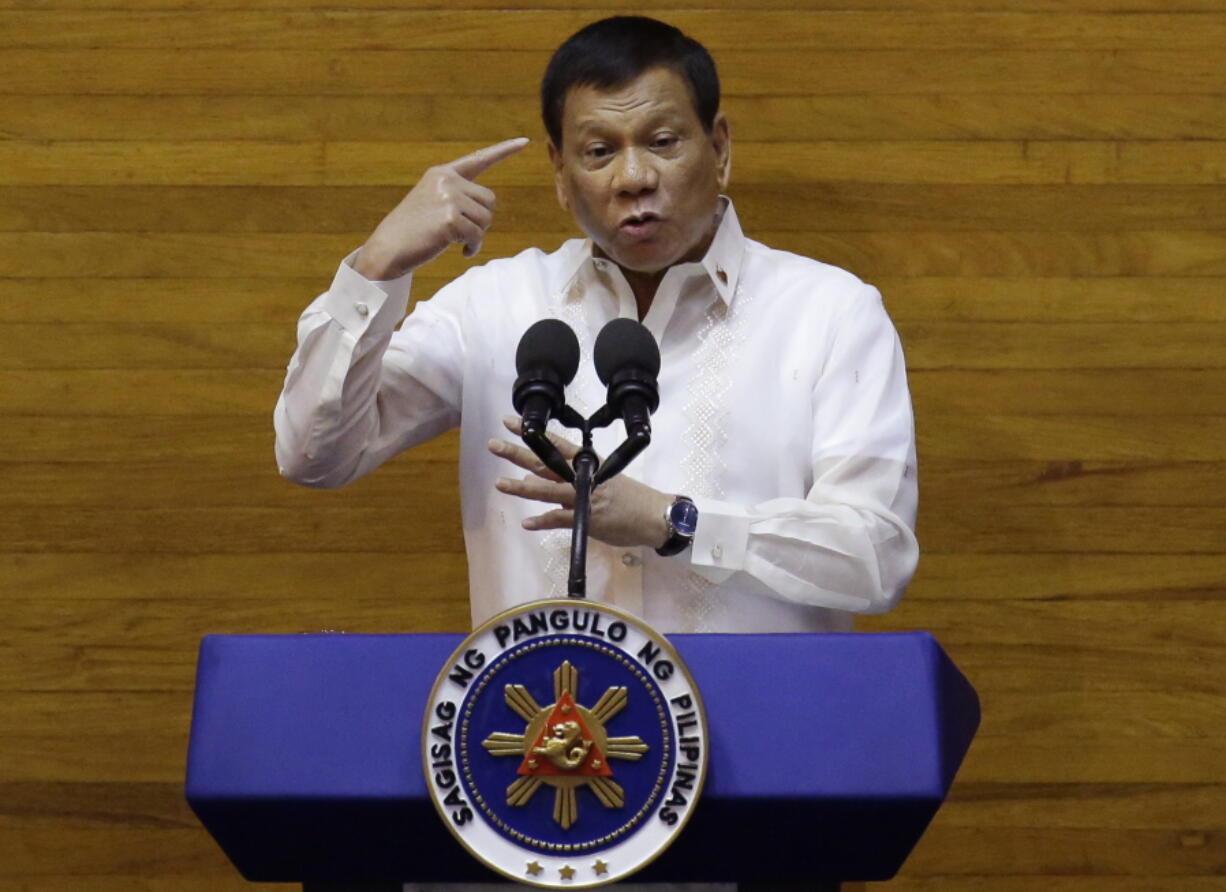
(613, 52)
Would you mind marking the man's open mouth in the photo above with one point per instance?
(641, 225)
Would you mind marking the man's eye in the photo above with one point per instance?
(663, 142)
(598, 151)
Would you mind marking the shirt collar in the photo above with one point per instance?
(726, 255)
(722, 262)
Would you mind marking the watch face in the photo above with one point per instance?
(684, 517)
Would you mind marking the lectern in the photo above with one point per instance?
(830, 754)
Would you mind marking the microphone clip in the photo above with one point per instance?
(533, 433)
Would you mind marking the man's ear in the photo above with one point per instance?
(721, 139)
(555, 158)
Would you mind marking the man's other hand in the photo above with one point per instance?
(446, 206)
(624, 511)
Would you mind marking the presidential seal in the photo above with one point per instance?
(565, 744)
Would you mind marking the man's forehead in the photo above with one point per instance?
(658, 92)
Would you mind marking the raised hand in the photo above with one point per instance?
(446, 206)
(624, 511)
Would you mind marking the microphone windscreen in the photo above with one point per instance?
(552, 343)
(625, 343)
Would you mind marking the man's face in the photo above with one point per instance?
(638, 172)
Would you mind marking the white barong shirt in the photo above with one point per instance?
(784, 413)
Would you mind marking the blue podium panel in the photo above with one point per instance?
(829, 756)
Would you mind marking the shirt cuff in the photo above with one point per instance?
(356, 302)
(722, 536)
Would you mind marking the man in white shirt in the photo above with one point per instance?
(784, 415)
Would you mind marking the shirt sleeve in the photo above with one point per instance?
(357, 390)
(849, 544)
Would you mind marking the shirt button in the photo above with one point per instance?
(362, 309)
(723, 276)
(717, 552)
(630, 559)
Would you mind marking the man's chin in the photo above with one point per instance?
(643, 260)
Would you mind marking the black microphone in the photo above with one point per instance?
(628, 363)
(546, 361)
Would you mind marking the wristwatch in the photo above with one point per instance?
(682, 520)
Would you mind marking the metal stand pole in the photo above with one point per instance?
(585, 467)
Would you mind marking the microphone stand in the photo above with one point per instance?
(585, 470)
(583, 477)
(588, 473)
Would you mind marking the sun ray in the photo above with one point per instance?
(565, 808)
(566, 678)
(630, 748)
(522, 790)
(610, 793)
(522, 702)
(502, 744)
(613, 702)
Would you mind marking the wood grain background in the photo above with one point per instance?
(1037, 186)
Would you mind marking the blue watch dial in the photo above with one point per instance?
(683, 516)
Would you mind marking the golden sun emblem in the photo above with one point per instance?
(565, 746)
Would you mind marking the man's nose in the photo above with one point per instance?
(636, 172)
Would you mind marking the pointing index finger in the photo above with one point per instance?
(472, 166)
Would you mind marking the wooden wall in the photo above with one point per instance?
(1037, 186)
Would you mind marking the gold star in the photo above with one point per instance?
(534, 868)
(600, 867)
(596, 764)
(568, 872)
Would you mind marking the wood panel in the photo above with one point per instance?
(277, 576)
(1136, 299)
(531, 29)
(959, 577)
(342, 163)
(794, 6)
(1038, 254)
(932, 345)
(1128, 530)
(1000, 115)
(194, 437)
(1036, 186)
(501, 72)
(970, 396)
(843, 207)
(1075, 483)
(245, 480)
(1160, 437)
(1012, 851)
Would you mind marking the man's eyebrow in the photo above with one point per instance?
(591, 124)
(654, 119)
